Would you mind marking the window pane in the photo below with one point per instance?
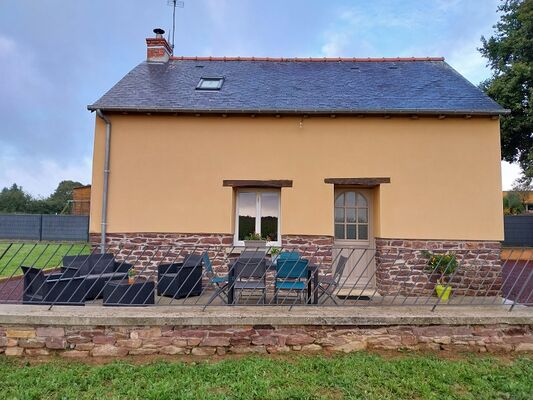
(362, 232)
(350, 199)
(247, 214)
(350, 231)
(339, 214)
(362, 215)
(339, 201)
(269, 215)
(350, 215)
(339, 231)
(210, 83)
(361, 201)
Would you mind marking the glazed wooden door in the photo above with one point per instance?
(354, 236)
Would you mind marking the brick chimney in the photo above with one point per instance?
(158, 49)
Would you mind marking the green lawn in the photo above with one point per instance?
(40, 255)
(354, 376)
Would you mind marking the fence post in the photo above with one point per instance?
(40, 227)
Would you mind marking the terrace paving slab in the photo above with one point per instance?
(93, 315)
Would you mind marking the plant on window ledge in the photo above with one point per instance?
(444, 264)
(274, 253)
(254, 236)
(255, 240)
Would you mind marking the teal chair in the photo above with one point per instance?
(288, 256)
(219, 281)
(291, 276)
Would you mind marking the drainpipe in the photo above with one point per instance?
(106, 180)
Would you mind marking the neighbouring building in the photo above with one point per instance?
(391, 154)
(81, 200)
(528, 197)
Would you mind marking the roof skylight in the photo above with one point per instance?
(210, 83)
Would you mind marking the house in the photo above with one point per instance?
(391, 155)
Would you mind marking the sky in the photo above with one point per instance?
(58, 56)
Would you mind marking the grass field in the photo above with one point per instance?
(39, 255)
(354, 376)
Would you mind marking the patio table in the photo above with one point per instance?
(312, 282)
(122, 293)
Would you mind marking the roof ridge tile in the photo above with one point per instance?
(308, 59)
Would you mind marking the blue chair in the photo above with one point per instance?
(219, 281)
(288, 256)
(291, 275)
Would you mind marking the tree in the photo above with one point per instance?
(14, 200)
(512, 204)
(510, 57)
(63, 193)
(522, 189)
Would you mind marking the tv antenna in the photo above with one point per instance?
(174, 4)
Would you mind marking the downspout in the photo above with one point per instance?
(106, 180)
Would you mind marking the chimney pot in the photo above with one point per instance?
(159, 33)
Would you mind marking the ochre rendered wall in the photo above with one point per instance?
(167, 172)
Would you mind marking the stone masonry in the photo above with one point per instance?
(147, 250)
(120, 341)
(402, 268)
(318, 249)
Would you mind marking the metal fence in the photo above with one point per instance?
(518, 230)
(45, 227)
(141, 275)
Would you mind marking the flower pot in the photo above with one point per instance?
(255, 243)
(443, 292)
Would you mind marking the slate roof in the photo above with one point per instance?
(422, 86)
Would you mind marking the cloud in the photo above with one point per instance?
(336, 43)
(217, 10)
(469, 62)
(19, 65)
(510, 173)
(446, 5)
(392, 28)
(40, 177)
(361, 31)
(6, 45)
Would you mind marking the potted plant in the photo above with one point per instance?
(131, 276)
(274, 253)
(445, 265)
(255, 240)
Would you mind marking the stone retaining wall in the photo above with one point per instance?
(119, 341)
(402, 268)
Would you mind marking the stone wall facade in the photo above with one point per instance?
(317, 248)
(147, 250)
(120, 341)
(402, 268)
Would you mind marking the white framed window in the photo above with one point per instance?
(258, 211)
